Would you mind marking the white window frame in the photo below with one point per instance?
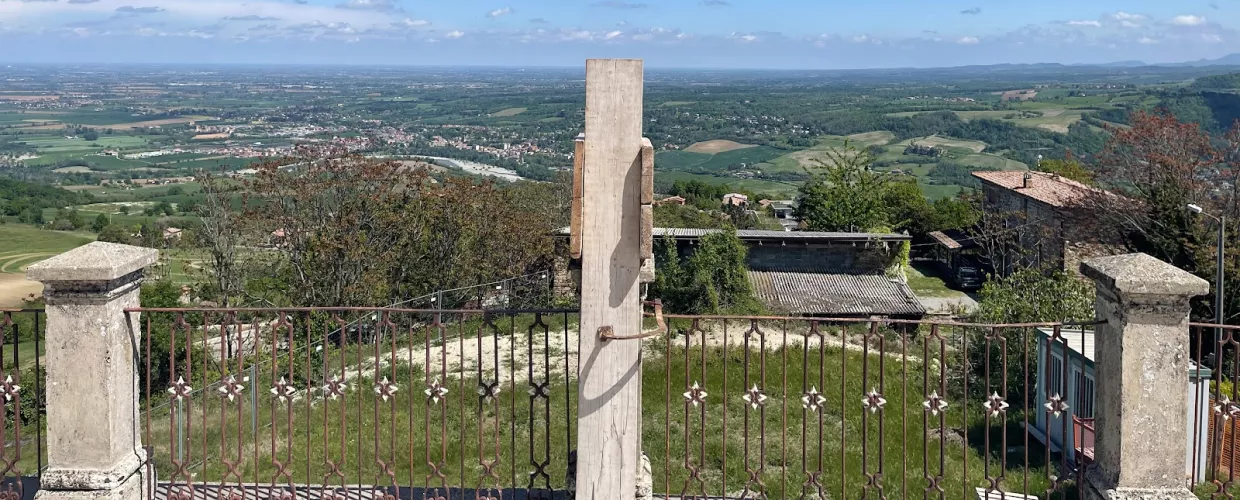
(1054, 375)
(1084, 394)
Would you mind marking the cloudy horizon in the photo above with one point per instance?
(793, 34)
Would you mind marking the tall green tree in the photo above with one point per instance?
(844, 193)
(711, 280)
(101, 222)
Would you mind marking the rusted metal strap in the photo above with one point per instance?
(609, 333)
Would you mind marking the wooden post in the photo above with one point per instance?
(609, 387)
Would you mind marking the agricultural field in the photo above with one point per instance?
(946, 143)
(774, 188)
(688, 161)
(22, 245)
(716, 146)
(509, 112)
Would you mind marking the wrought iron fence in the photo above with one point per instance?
(1213, 395)
(771, 407)
(21, 394)
(338, 403)
(358, 402)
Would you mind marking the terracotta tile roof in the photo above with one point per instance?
(835, 294)
(1047, 188)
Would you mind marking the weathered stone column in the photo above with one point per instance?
(93, 447)
(1141, 356)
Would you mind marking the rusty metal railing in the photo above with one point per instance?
(21, 396)
(1212, 396)
(782, 407)
(335, 403)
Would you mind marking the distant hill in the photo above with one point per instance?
(1227, 60)
(1229, 81)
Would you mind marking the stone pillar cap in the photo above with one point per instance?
(95, 261)
(1141, 274)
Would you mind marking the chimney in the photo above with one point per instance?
(1028, 177)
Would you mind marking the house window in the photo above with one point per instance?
(1054, 377)
(1084, 394)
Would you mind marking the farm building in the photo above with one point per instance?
(1049, 216)
(1073, 358)
(806, 272)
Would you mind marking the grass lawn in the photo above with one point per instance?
(22, 245)
(936, 191)
(925, 281)
(23, 239)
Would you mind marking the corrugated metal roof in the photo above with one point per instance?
(835, 294)
(945, 240)
(760, 234)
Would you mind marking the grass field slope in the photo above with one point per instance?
(23, 245)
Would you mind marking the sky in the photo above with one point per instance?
(771, 34)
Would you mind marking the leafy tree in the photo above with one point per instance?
(360, 231)
(101, 222)
(713, 279)
(1068, 168)
(124, 209)
(908, 209)
(90, 135)
(843, 193)
(1156, 166)
(114, 233)
(687, 216)
(165, 208)
(1027, 295)
(175, 191)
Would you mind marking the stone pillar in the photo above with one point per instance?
(94, 451)
(1140, 358)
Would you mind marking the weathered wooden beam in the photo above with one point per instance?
(609, 386)
(574, 225)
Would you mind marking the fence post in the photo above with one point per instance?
(609, 384)
(1141, 358)
(93, 447)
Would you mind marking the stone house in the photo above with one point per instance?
(1048, 216)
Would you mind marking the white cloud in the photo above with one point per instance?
(612, 35)
(454, 34)
(414, 23)
(1145, 40)
(1125, 16)
(500, 12)
(968, 40)
(1095, 24)
(1188, 20)
(375, 5)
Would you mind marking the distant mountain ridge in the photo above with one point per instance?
(1227, 60)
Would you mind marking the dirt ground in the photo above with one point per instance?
(14, 287)
(717, 146)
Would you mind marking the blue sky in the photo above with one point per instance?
(801, 34)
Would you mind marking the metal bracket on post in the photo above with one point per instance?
(608, 333)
